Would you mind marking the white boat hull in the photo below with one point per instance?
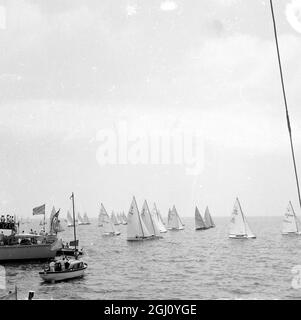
(62, 275)
(243, 236)
(111, 234)
(26, 252)
(291, 233)
(142, 238)
(175, 229)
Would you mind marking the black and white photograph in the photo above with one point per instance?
(150, 150)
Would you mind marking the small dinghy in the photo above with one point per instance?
(239, 227)
(64, 268)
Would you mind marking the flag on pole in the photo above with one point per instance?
(73, 243)
(39, 210)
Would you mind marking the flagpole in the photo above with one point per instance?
(44, 221)
(285, 103)
(74, 231)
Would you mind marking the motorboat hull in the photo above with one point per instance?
(26, 252)
(68, 252)
(62, 275)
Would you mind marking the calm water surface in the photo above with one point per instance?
(184, 264)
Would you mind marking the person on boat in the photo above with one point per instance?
(76, 254)
(58, 266)
(67, 264)
(31, 232)
(1, 238)
(52, 266)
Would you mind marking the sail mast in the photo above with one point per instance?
(72, 196)
(285, 103)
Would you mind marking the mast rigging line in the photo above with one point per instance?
(285, 102)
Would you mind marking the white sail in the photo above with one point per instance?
(86, 219)
(159, 215)
(289, 223)
(69, 219)
(208, 219)
(124, 218)
(80, 219)
(136, 229)
(199, 222)
(156, 216)
(107, 224)
(148, 220)
(239, 227)
(114, 218)
(174, 221)
(100, 222)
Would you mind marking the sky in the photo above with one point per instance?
(176, 102)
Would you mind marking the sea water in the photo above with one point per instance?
(185, 264)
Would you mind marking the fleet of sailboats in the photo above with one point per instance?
(239, 227)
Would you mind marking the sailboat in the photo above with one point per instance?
(69, 220)
(80, 219)
(108, 227)
(63, 269)
(208, 219)
(119, 219)
(136, 229)
(123, 218)
(174, 221)
(100, 218)
(156, 216)
(290, 223)
(150, 223)
(54, 223)
(199, 222)
(239, 227)
(114, 219)
(86, 220)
